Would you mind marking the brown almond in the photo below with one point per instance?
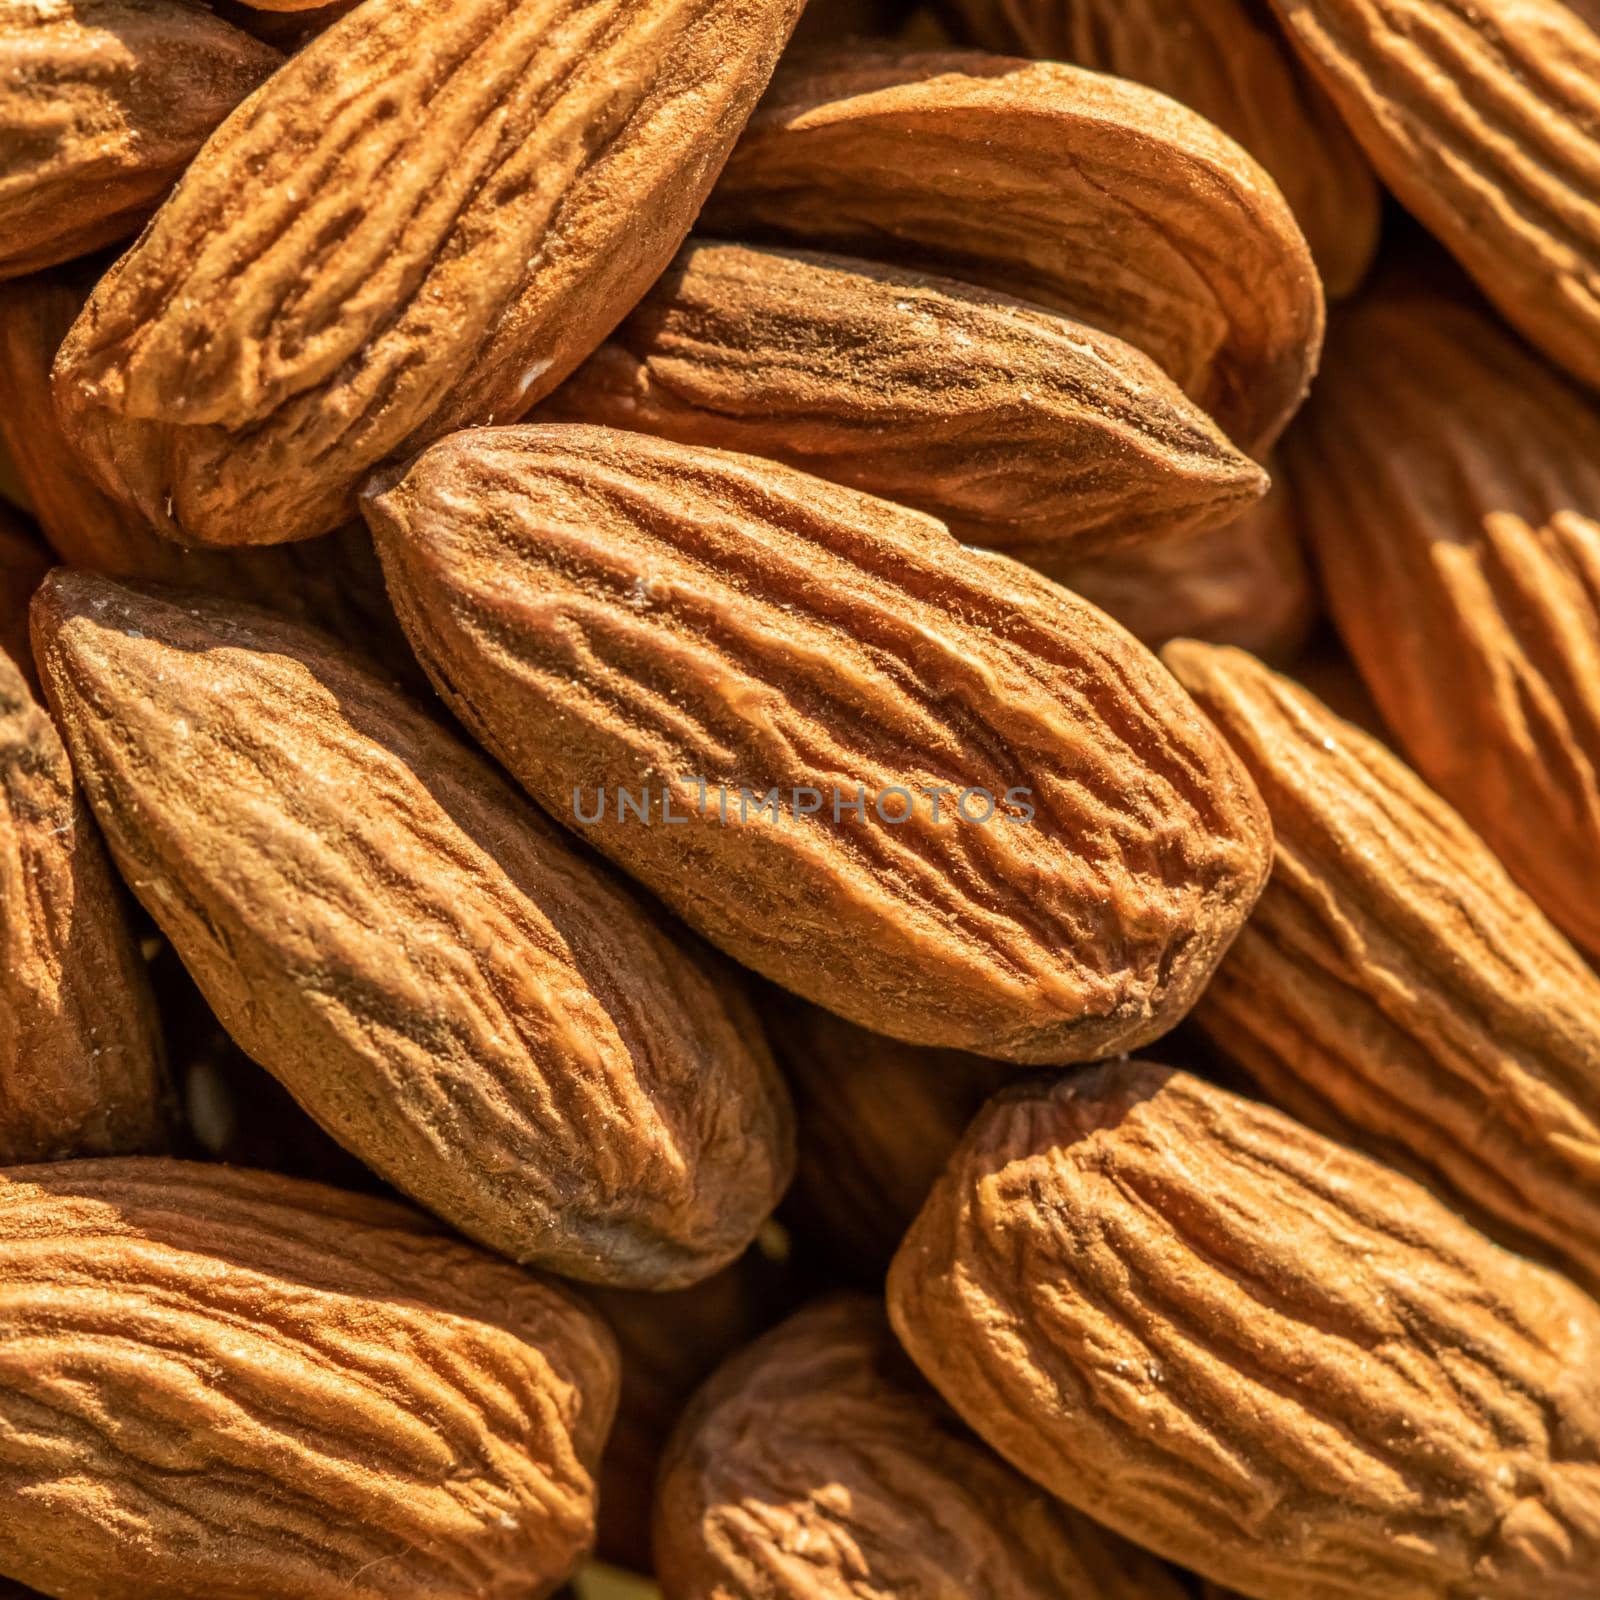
(1393, 986)
(482, 1015)
(222, 1382)
(1483, 117)
(1255, 1351)
(612, 612)
(1448, 481)
(431, 214)
(817, 1466)
(1086, 194)
(1011, 424)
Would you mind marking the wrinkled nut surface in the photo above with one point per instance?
(1448, 481)
(483, 1016)
(1255, 1351)
(1228, 60)
(608, 611)
(218, 1382)
(1011, 424)
(102, 105)
(427, 217)
(1393, 986)
(81, 1070)
(1087, 194)
(1483, 117)
(817, 1466)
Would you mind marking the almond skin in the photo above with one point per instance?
(1159, 229)
(607, 611)
(217, 1383)
(1255, 1351)
(102, 105)
(482, 1015)
(1012, 425)
(427, 218)
(1483, 117)
(1393, 986)
(817, 1466)
(1449, 483)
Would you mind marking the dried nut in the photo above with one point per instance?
(1393, 987)
(81, 1069)
(817, 1466)
(1089, 195)
(427, 218)
(612, 612)
(1247, 584)
(485, 1018)
(1447, 480)
(102, 105)
(1228, 60)
(1013, 425)
(1255, 1351)
(878, 1120)
(223, 1382)
(1483, 116)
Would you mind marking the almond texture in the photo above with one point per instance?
(226, 1385)
(482, 1015)
(430, 215)
(611, 612)
(1255, 1351)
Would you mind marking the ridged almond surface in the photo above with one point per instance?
(1483, 116)
(1448, 481)
(482, 1015)
(1011, 424)
(427, 218)
(1255, 1351)
(817, 1466)
(102, 105)
(1393, 985)
(81, 1069)
(228, 1385)
(1092, 196)
(1228, 60)
(609, 611)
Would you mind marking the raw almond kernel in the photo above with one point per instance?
(1483, 117)
(217, 1382)
(427, 218)
(102, 104)
(482, 1015)
(1228, 60)
(1011, 424)
(1091, 196)
(816, 1465)
(81, 1070)
(610, 612)
(1255, 1351)
(1393, 986)
(1448, 481)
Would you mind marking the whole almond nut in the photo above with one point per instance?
(216, 1382)
(1158, 229)
(1393, 986)
(1448, 481)
(817, 1466)
(612, 612)
(1011, 424)
(427, 218)
(1228, 60)
(1483, 117)
(1255, 1351)
(102, 104)
(486, 1018)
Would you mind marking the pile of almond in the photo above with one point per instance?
(800, 818)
